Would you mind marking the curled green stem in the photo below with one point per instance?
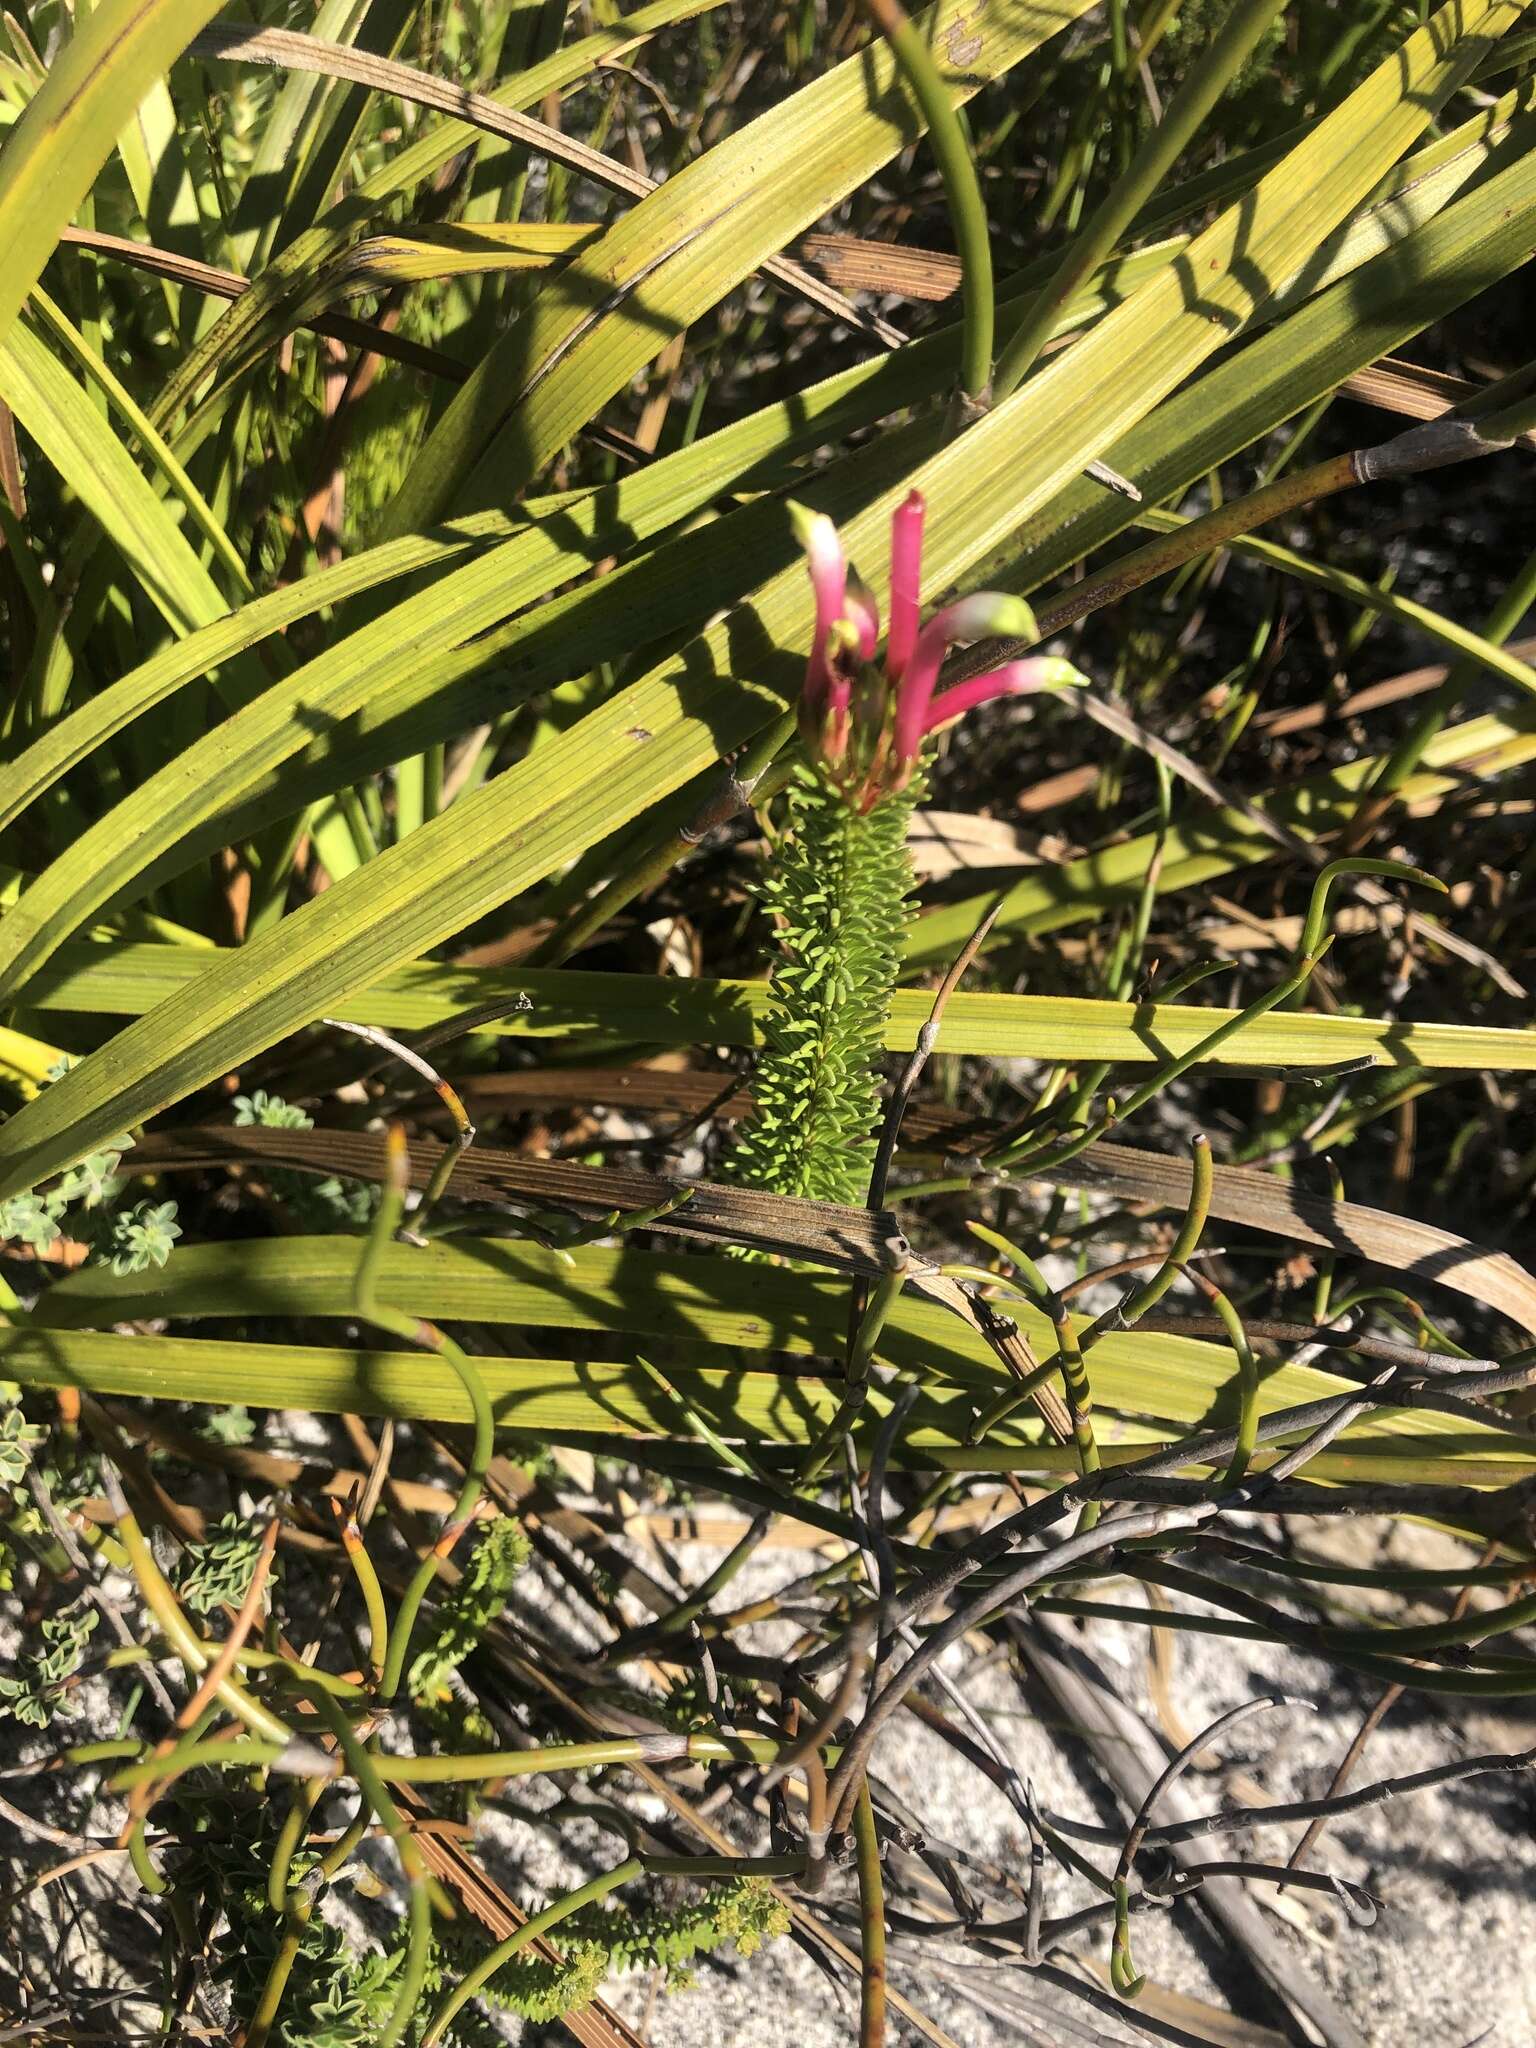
(138, 1855)
(352, 1542)
(1146, 1297)
(1352, 864)
(962, 190)
(417, 1331)
(1247, 1379)
(1068, 1361)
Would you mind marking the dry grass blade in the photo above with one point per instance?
(1422, 1252)
(856, 265)
(288, 51)
(219, 283)
(847, 1239)
(596, 2025)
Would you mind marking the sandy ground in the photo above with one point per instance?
(1451, 1960)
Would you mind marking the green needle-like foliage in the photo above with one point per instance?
(837, 889)
(471, 1606)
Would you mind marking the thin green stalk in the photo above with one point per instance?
(413, 1975)
(1234, 44)
(367, 1769)
(720, 1577)
(289, 1835)
(350, 805)
(1120, 983)
(297, 1905)
(1405, 757)
(1123, 1974)
(884, 1295)
(1317, 906)
(699, 1425)
(81, 1755)
(368, 1585)
(1146, 1297)
(866, 1843)
(138, 1856)
(1435, 1635)
(264, 2014)
(1021, 1262)
(177, 1631)
(1011, 1398)
(469, 1768)
(415, 1330)
(962, 189)
(1507, 422)
(424, 1891)
(1247, 1381)
(1043, 1163)
(1119, 40)
(1327, 1262)
(1074, 1379)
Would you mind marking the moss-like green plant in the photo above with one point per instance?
(464, 1614)
(837, 893)
(600, 1942)
(216, 1572)
(80, 1204)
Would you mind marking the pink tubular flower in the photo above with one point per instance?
(865, 724)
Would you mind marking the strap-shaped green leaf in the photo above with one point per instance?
(705, 1306)
(620, 759)
(591, 1401)
(237, 338)
(75, 738)
(82, 447)
(335, 707)
(69, 128)
(1437, 267)
(679, 252)
(134, 978)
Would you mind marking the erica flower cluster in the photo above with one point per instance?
(866, 722)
